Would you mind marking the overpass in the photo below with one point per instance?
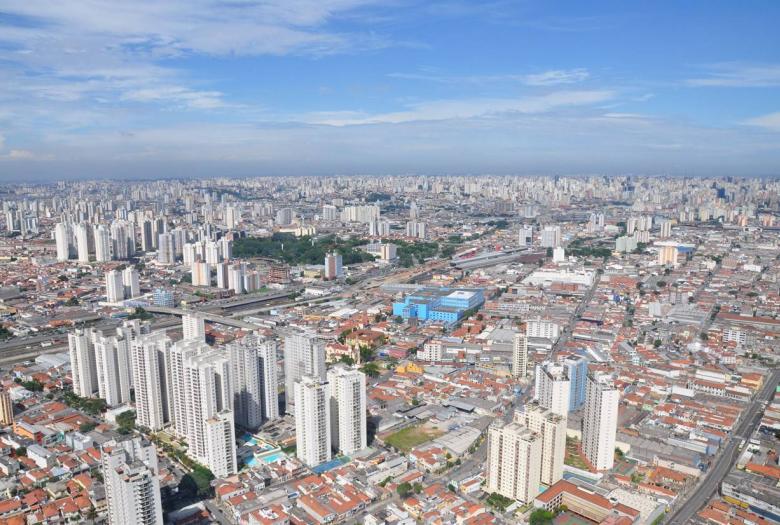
(208, 316)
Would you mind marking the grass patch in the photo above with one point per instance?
(409, 437)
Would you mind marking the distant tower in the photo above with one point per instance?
(520, 355)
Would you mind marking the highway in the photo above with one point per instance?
(708, 485)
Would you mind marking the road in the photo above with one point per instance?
(568, 330)
(709, 484)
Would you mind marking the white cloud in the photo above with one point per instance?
(557, 76)
(466, 108)
(738, 75)
(770, 121)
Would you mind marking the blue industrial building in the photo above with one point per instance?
(439, 304)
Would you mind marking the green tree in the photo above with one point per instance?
(370, 369)
(541, 517)
(404, 489)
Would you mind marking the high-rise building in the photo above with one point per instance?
(112, 362)
(513, 466)
(312, 420)
(6, 408)
(254, 379)
(667, 253)
(416, 229)
(553, 388)
(82, 242)
(304, 354)
(347, 409)
(151, 365)
(193, 327)
(130, 283)
(62, 237)
(203, 400)
(600, 419)
(212, 253)
(577, 372)
(102, 244)
(115, 289)
(163, 297)
(520, 355)
(526, 236)
(201, 274)
(236, 278)
(543, 328)
(147, 236)
(333, 266)
(551, 237)
(222, 275)
(131, 478)
(166, 253)
(83, 367)
(666, 229)
(552, 428)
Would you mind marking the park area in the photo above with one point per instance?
(410, 437)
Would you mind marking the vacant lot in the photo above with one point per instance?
(409, 437)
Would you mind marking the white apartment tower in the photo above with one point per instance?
(513, 466)
(193, 327)
(131, 478)
(150, 361)
(82, 363)
(82, 242)
(304, 354)
(312, 420)
(551, 237)
(600, 419)
(62, 237)
(115, 288)
(553, 388)
(254, 380)
(130, 283)
(347, 409)
(203, 399)
(112, 362)
(552, 428)
(102, 244)
(520, 355)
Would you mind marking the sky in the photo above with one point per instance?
(196, 88)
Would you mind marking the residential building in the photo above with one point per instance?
(513, 466)
(312, 420)
(131, 479)
(347, 409)
(304, 354)
(599, 424)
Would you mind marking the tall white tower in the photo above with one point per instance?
(552, 388)
(304, 354)
(254, 379)
(83, 367)
(82, 242)
(115, 288)
(102, 244)
(520, 355)
(62, 237)
(347, 409)
(193, 327)
(312, 421)
(130, 282)
(513, 466)
(552, 428)
(600, 419)
(131, 477)
(151, 366)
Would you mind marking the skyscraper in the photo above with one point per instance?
(577, 372)
(304, 354)
(130, 283)
(312, 420)
(254, 380)
(82, 242)
(115, 289)
(201, 274)
(131, 478)
(347, 409)
(513, 466)
(520, 355)
(6, 408)
(112, 362)
(83, 367)
(599, 423)
(551, 237)
(193, 327)
(552, 428)
(203, 400)
(102, 244)
(151, 365)
(166, 253)
(553, 387)
(62, 237)
(333, 266)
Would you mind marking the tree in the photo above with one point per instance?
(657, 343)
(370, 369)
(126, 421)
(87, 427)
(404, 489)
(347, 360)
(541, 517)
(20, 452)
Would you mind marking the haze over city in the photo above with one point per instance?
(176, 89)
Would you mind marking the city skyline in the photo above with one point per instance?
(361, 87)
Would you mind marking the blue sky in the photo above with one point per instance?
(99, 88)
